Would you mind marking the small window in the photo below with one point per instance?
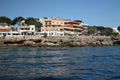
(52, 33)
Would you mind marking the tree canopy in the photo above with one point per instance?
(118, 28)
(78, 21)
(32, 21)
(17, 19)
(4, 19)
(100, 30)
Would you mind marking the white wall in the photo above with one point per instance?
(53, 33)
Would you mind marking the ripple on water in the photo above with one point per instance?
(88, 63)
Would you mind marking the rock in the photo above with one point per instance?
(51, 44)
(29, 43)
(1, 42)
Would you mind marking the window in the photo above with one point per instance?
(32, 28)
(61, 29)
(25, 28)
(52, 33)
(9, 34)
(49, 22)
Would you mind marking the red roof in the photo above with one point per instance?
(4, 30)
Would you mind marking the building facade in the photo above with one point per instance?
(5, 29)
(65, 27)
(26, 30)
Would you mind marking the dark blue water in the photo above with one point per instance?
(87, 63)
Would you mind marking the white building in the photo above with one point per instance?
(5, 29)
(116, 30)
(26, 30)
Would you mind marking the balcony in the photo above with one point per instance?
(77, 25)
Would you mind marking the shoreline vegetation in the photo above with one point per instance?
(64, 41)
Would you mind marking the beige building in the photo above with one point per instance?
(57, 27)
(53, 24)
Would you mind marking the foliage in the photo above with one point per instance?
(78, 21)
(45, 35)
(13, 29)
(107, 31)
(100, 30)
(118, 28)
(32, 21)
(115, 34)
(4, 19)
(17, 19)
(92, 30)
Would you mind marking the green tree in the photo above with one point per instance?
(107, 31)
(12, 28)
(100, 28)
(92, 30)
(45, 35)
(17, 19)
(78, 21)
(95, 30)
(32, 21)
(115, 34)
(4, 19)
(118, 28)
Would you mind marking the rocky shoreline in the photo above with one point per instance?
(35, 41)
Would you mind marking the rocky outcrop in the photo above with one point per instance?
(57, 41)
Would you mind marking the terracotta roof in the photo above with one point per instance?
(4, 30)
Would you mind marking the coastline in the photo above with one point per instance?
(65, 41)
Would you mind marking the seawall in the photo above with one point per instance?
(37, 41)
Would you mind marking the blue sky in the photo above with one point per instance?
(93, 12)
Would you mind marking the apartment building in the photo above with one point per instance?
(57, 27)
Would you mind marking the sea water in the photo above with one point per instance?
(86, 63)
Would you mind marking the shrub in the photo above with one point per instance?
(45, 35)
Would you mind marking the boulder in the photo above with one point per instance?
(29, 43)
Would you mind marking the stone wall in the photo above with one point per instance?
(36, 41)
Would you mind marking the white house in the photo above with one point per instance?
(5, 29)
(116, 30)
(26, 30)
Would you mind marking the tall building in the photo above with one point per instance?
(58, 27)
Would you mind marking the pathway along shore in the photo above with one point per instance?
(65, 41)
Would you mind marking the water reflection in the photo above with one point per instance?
(78, 63)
